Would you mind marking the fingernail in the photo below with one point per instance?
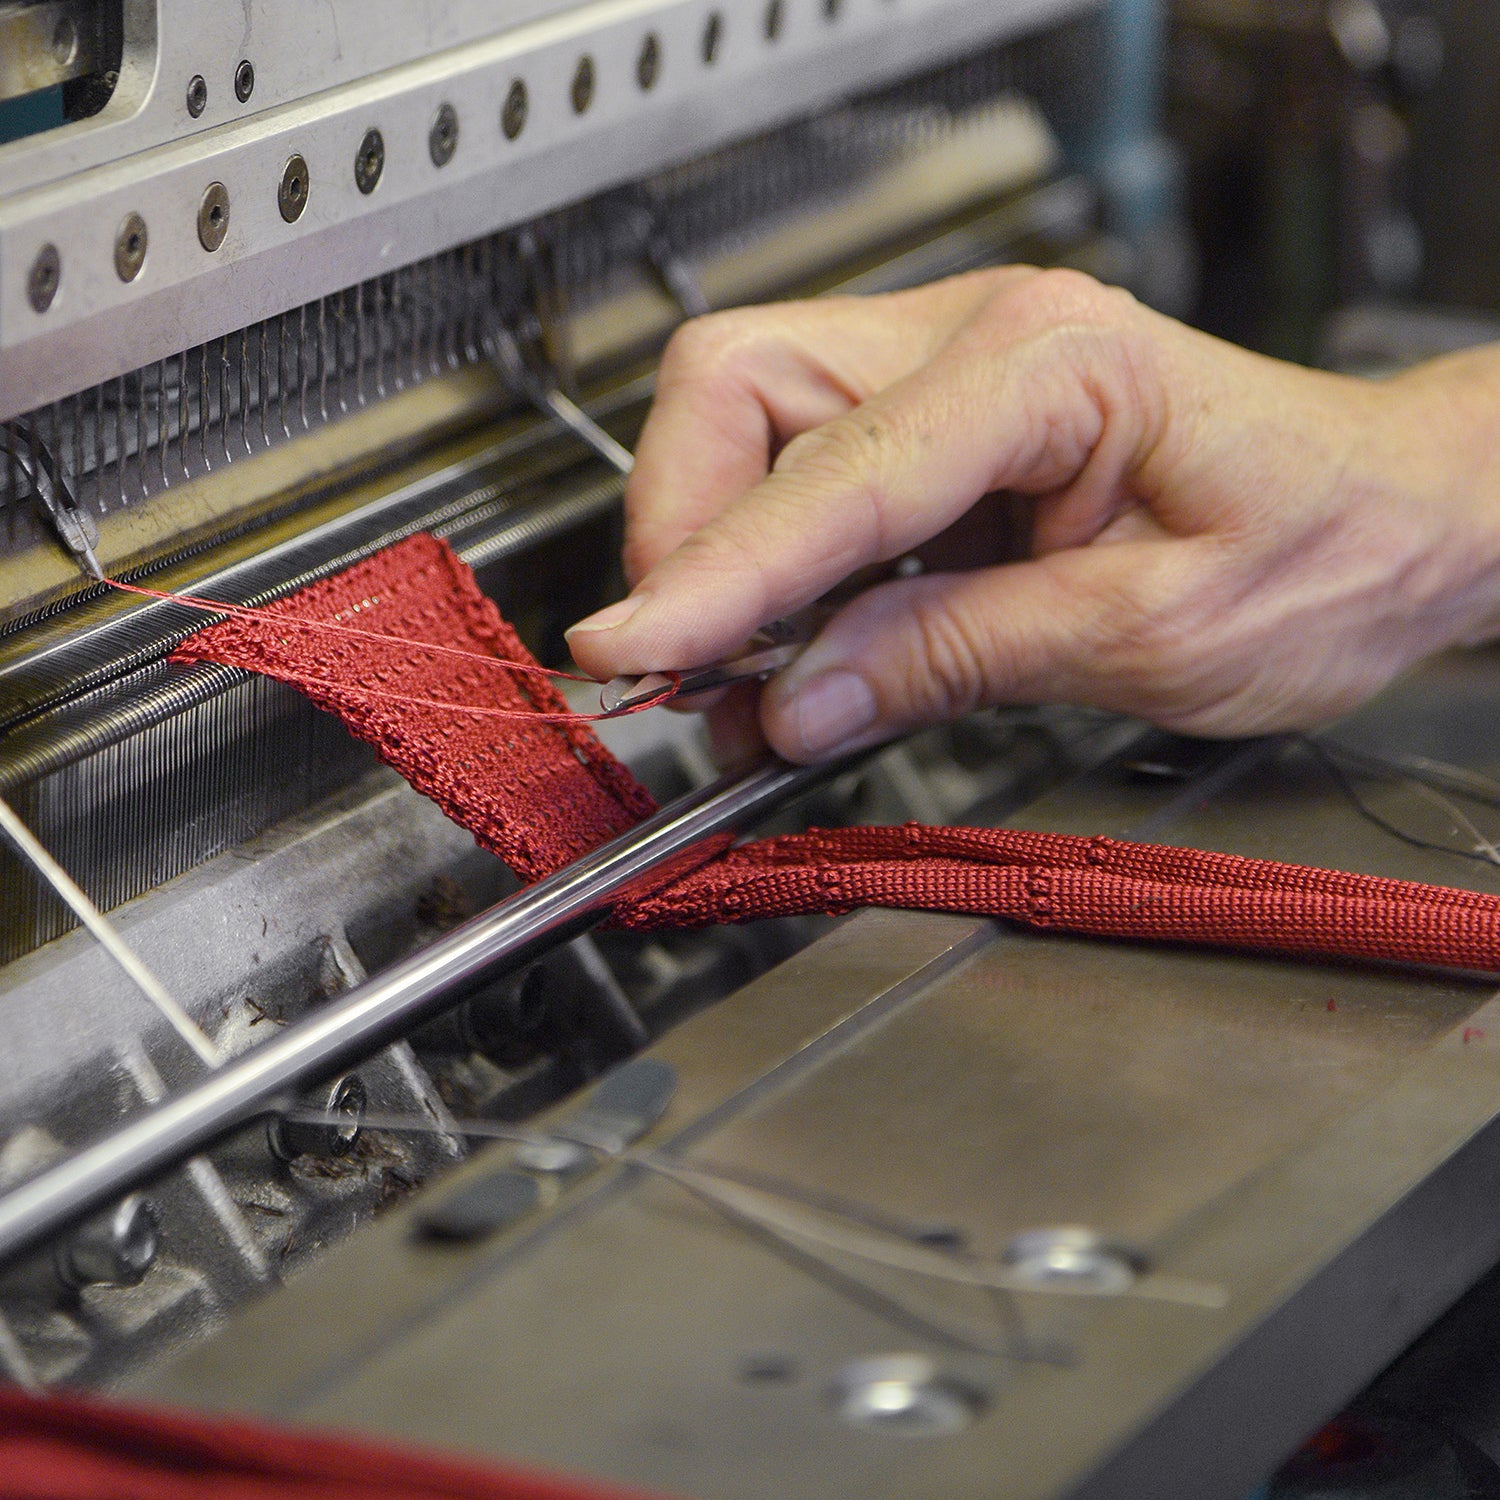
(611, 616)
(830, 709)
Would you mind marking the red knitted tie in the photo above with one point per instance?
(539, 794)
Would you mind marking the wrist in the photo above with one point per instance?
(1440, 432)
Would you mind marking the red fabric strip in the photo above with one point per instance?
(543, 794)
(538, 794)
(63, 1447)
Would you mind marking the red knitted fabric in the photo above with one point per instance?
(536, 794)
(63, 1447)
(539, 795)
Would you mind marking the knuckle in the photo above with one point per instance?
(944, 673)
(708, 345)
(1059, 297)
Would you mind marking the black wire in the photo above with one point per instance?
(1325, 758)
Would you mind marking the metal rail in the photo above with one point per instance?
(351, 1028)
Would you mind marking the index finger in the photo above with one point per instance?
(735, 387)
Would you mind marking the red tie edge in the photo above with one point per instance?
(541, 794)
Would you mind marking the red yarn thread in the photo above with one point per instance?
(547, 791)
(529, 667)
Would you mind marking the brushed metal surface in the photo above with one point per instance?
(1315, 1143)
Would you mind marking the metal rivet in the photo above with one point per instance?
(442, 139)
(1071, 1257)
(296, 184)
(648, 64)
(582, 92)
(513, 111)
(775, 15)
(115, 1249)
(369, 163)
(197, 95)
(905, 1395)
(130, 247)
(44, 277)
(713, 36)
(344, 1102)
(213, 216)
(244, 81)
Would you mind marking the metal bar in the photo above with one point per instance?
(367, 1018)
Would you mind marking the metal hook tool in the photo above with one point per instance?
(771, 648)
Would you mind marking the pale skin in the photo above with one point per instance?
(1221, 543)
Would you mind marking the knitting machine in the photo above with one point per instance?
(280, 286)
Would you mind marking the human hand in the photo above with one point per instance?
(1221, 543)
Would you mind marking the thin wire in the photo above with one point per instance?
(870, 1238)
(1325, 757)
(103, 931)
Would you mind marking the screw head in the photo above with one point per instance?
(513, 111)
(244, 81)
(1076, 1259)
(213, 216)
(343, 1102)
(197, 95)
(44, 278)
(116, 1249)
(296, 185)
(442, 139)
(582, 92)
(130, 247)
(905, 1395)
(648, 64)
(713, 37)
(369, 162)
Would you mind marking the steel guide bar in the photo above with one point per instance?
(259, 1082)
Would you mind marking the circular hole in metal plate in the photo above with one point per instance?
(582, 91)
(713, 37)
(648, 63)
(369, 161)
(442, 139)
(130, 247)
(513, 111)
(44, 278)
(291, 195)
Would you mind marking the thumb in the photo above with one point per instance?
(1075, 626)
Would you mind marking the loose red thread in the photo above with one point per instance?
(529, 667)
(543, 790)
(1473, 1034)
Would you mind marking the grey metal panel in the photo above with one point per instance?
(99, 326)
(1316, 1144)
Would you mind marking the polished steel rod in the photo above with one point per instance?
(349, 1029)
